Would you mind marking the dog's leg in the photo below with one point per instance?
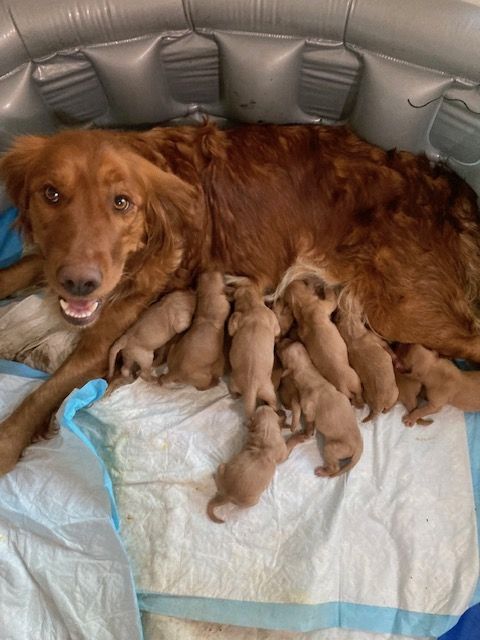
(24, 273)
(89, 360)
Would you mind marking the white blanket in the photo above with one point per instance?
(63, 569)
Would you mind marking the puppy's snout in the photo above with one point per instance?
(79, 280)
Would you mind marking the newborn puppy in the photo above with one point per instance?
(322, 339)
(245, 477)
(197, 358)
(370, 356)
(325, 409)
(155, 327)
(443, 382)
(253, 328)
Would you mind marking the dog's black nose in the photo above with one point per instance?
(79, 281)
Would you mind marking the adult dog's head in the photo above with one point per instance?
(93, 206)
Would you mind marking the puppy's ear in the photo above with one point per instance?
(16, 166)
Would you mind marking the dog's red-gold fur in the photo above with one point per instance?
(120, 217)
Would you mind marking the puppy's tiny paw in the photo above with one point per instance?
(322, 472)
(407, 421)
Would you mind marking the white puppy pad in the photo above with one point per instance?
(390, 547)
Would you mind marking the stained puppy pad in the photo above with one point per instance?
(158, 627)
(64, 572)
(389, 548)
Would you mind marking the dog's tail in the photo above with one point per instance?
(216, 501)
(115, 349)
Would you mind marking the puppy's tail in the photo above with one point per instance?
(320, 471)
(216, 501)
(115, 349)
(353, 461)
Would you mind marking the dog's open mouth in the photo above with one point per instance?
(78, 311)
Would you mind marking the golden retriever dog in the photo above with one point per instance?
(444, 383)
(247, 475)
(253, 328)
(322, 339)
(198, 358)
(370, 356)
(325, 409)
(118, 219)
(155, 327)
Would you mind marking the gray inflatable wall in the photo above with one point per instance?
(403, 73)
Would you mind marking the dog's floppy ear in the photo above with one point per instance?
(172, 204)
(15, 168)
(16, 165)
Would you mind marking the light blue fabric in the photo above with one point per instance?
(473, 435)
(80, 399)
(22, 370)
(10, 240)
(299, 617)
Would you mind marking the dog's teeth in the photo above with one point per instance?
(69, 310)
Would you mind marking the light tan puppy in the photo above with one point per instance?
(247, 475)
(444, 383)
(325, 409)
(197, 358)
(322, 339)
(253, 328)
(155, 327)
(370, 356)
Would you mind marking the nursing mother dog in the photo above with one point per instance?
(119, 218)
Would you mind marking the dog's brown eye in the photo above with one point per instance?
(51, 194)
(121, 203)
